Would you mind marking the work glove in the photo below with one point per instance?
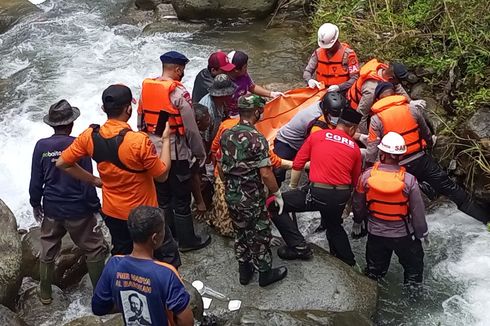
(313, 84)
(434, 140)
(279, 201)
(100, 222)
(333, 88)
(425, 242)
(295, 176)
(419, 104)
(276, 94)
(38, 213)
(363, 139)
(359, 230)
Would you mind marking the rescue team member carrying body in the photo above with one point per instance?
(394, 113)
(145, 291)
(218, 63)
(166, 93)
(361, 94)
(335, 63)
(245, 167)
(127, 164)
(388, 199)
(332, 177)
(68, 205)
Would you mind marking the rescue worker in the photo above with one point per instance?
(63, 204)
(245, 167)
(361, 94)
(167, 93)
(128, 165)
(334, 63)
(388, 199)
(244, 82)
(335, 166)
(218, 63)
(394, 113)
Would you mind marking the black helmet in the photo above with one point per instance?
(333, 103)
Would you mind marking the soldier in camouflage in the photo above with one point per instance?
(245, 167)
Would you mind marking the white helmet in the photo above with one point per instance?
(393, 143)
(327, 35)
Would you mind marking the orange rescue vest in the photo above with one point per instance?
(334, 70)
(385, 198)
(394, 113)
(155, 97)
(368, 71)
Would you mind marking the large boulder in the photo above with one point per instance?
(478, 125)
(70, 264)
(324, 283)
(13, 10)
(203, 9)
(10, 257)
(8, 317)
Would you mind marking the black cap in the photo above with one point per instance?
(174, 57)
(333, 103)
(61, 114)
(350, 115)
(117, 96)
(400, 71)
(381, 87)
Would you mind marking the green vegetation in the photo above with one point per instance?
(448, 39)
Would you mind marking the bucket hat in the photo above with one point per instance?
(222, 86)
(61, 114)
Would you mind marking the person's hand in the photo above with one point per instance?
(38, 213)
(279, 201)
(166, 132)
(425, 242)
(313, 84)
(434, 140)
(359, 230)
(363, 139)
(97, 182)
(99, 224)
(276, 94)
(201, 207)
(333, 88)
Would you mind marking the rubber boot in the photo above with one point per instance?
(188, 240)
(170, 221)
(291, 253)
(476, 210)
(246, 271)
(45, 280)
(95, 270)
(272, 275)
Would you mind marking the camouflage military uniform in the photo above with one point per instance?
(244, 152)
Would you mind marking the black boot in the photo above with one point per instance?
(476, 210)
(188, 240)
(320, 228)
(291, 253)
(246, 271)
(170, 221)
(272, 275)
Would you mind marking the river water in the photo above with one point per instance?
(74, 49)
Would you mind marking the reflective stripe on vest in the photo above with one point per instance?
(318, 122)
(107, 149)
(334, 70)
(385, 198)
(394, 113)
(155, 97)
(368, 71)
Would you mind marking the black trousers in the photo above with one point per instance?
(123, 245)
(285, 152)
(330, 203)
(409, 251)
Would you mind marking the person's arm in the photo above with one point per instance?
(261, 91)
(302, 157)
(102, 301)
(36, 184)
(359, 207)
(310, 67)
(417, 210)
(374, 138)
(353, 66)
(139, 117)
(424, 129)
(184, 318)
(401, 91)
(92, 200)
(365, 104)
(177, 300)
(165, 155)
(356, 169)
(77, 172)
(269, 178)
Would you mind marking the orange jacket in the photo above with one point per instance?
(155, 97)
(332, 71)
(394, 113)
(385, 198)
(368, 71)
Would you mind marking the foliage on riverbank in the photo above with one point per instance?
(449, 40)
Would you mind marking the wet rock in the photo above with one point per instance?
(202, 9)
(10, 257)
(8, 317)
(171, 26)
(165, 10)
(147, 4)
(195, 302)
(86, 321)
(69, 265)
(283, 87)
(325, 283)
(13, 10)
(478, 125)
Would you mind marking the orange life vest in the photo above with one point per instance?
(334, 70)
(385, 198)
(394, 113)
(155, 97)
(368, 71)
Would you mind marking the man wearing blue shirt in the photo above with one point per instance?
(61, 203)
(145, 291)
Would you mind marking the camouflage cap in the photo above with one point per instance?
(250, 102)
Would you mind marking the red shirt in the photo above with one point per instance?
(335, 158)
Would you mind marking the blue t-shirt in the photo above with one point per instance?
(147, 292)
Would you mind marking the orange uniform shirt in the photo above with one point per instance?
(122, 190)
